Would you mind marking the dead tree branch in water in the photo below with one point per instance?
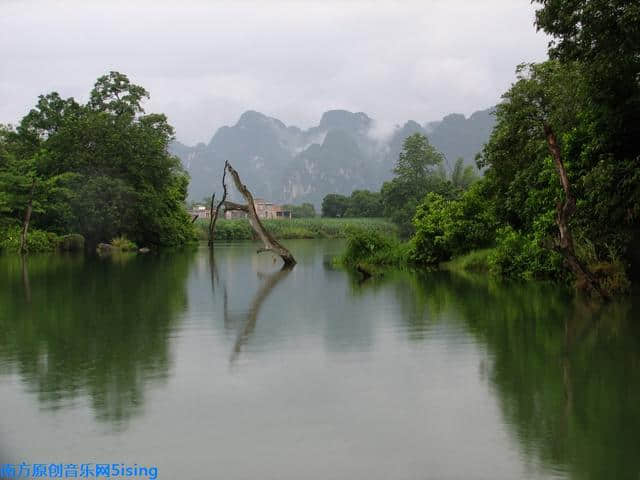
(210, 236)
(270, 243)
(214, 217)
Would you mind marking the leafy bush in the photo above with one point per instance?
(306, 210)
(445, 228)
(609, 270)
(37, 240)
(73, 242)
(123, 244)
(521, 255)
(367, 250)
(474, 261)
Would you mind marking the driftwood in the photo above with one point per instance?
(270, 243)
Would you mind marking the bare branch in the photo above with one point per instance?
(214, 219)
(231, 206)
(270, 243)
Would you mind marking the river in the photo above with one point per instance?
(222, 367)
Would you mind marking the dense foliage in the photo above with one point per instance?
(564, 156)
(450, 227)
(100, 169)
(361, 203)
(418, 171)
(306, 210)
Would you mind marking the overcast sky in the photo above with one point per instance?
(205, 63)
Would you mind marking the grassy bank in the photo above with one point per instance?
(372, 254)
(474, 261)
(239, 229)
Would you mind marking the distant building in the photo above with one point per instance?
(265, 211)
(200, 211)
(234, 214)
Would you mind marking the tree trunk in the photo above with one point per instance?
(270, 243)
(27, 219)
(214, 217)
(211, 222)
(564, 211)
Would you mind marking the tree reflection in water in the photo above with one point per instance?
(86, 326)
(246, 322)
(566, 372)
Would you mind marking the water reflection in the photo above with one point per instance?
(411, 375)
(566, 372)
(72, 325)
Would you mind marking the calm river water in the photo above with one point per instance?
(221, 367)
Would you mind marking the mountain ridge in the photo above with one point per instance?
(340, 154)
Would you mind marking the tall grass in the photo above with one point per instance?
(123, 244)
(474, 261)
(371, 253)
(239, 229)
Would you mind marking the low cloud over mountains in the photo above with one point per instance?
(344, 152)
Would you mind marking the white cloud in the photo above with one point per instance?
(207, 62)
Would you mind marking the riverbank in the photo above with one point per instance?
(371, 254)
(297, 228)
(39, 241)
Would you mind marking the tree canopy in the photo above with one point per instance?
(100, 169)
(560, 195)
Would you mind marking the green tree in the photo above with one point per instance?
(463, 176)
(102, 206)
(550, 172)
(417, 174)
(363, 203)
(115, 94)
(445, 228)
(99, 169)
(334, 205)
(604, 36)
(27, 189)
(416, 162)
(306, 210)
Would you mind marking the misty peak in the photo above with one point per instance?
(454, 118)
(343, 119)
(412, 125)
(252, 119)
(343, 153)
